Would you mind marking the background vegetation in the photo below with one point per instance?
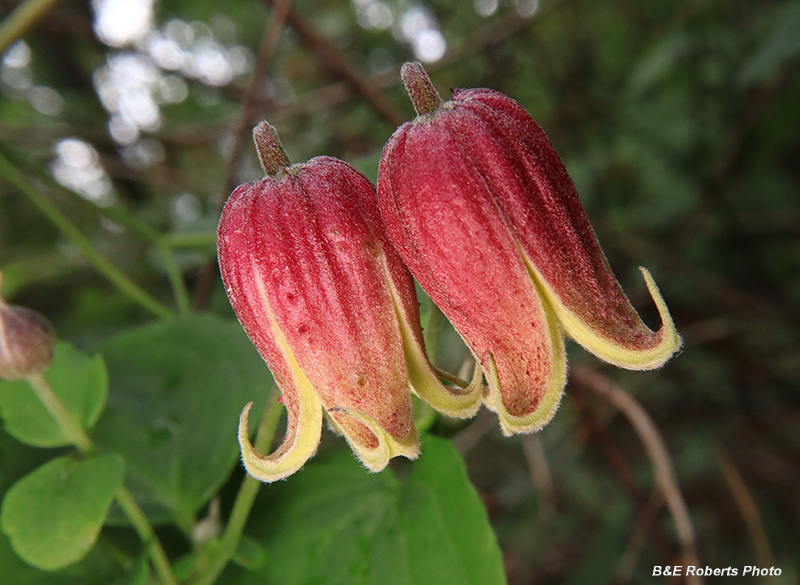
(679, 123)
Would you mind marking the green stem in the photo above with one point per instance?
(190, 240)
(122, 282)
(73, 431)
(118, 214)
(244, 499)
(176, 279)
(78, 437)
(451, 378)
(16, 24)
(145, 532)
(432, 330)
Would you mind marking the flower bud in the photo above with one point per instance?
(481, 209)
(331, 308)
(26, 342)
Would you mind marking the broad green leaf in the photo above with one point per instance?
(79, 381)
(443, 524)
(334, 523)
(53, 515)
(250, 554)
(96, 568)
(176, 391)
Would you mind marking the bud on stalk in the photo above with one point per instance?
(26, 341)
(481, 209)
(328, 303)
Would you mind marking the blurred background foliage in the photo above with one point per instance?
(679, 122)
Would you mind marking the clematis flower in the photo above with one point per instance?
(481, 209)
(331, 308)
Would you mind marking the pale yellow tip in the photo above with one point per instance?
(378, 458)
(300, 444)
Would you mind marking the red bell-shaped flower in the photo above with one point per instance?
(328, 303)
(481, 209)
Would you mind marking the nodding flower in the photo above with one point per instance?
(481, 209)
(328, 303)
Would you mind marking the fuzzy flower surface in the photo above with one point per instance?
(480, 207)
(328, 303)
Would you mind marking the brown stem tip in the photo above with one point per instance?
(423, 94)
(269, 148)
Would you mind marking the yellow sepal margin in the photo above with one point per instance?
(551, 398)
(303, 429)
(290, 456)
(606, 350)
(378, 458)
(452, 401)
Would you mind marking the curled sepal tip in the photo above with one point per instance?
(304, 428)
(548, 391)
(450, 400)
(641, 349)
(373, 446)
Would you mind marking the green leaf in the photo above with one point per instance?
(250, 554)
(445, 529)
(18, 459)
(53, 515)
(79, 381)
(96, 568)
(176, 392)
(335, 523)
(139, 575)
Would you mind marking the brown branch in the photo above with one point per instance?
(657, 452)
(747, 508)
(266, 50)
(482, 424)
(484, 37)
(644, 519)
(620, 467)
(506, 26)
(324, 97)
(540, 474)
(331, 59)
